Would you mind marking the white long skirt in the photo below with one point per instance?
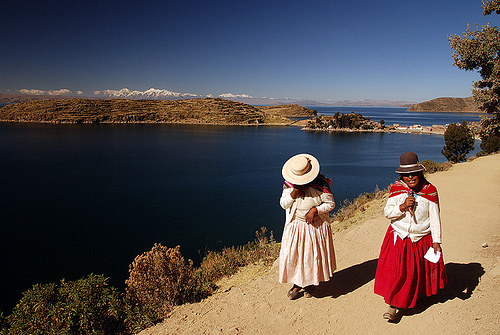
(307, 256)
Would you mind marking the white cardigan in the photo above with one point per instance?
(424, 221)
(299, 207)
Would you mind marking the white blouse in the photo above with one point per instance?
(425, 218)
(300, 206)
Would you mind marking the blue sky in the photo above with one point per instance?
(321, 50)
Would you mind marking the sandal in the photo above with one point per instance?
(391, 314)
(293, 293)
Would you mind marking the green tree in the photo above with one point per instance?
(479, 50)
(458, 142)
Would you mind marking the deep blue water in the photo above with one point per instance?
(81, 199)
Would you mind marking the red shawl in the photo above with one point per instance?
(428, 191)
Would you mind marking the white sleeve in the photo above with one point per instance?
(391, 209)
(435, 222)
(327, 203)
(286, 200)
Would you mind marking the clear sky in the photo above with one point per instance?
(321, 50)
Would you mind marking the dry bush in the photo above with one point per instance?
(432, 166)
(216, 265)
(159, 279)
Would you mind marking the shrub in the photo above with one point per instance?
(216, 265)
(159, 279)
(432, 166)
(3, 323)
(85, 306)
(34, 314)
(91, 306)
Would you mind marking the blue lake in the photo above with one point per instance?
(81, 199)
(400, 115)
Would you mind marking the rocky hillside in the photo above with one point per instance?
(290, 110)
(446, 105)
(199, 111)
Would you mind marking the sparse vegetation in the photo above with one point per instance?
(214, 111)
(432, 166)
(291, 110)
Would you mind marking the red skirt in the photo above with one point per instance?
(403, 273)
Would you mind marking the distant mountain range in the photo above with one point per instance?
(444, 104)
(366, 102)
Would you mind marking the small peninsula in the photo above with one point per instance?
(213, 111)
(456, 105)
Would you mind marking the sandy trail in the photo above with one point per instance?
(470, 304)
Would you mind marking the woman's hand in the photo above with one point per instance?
(437, 247)
(311, 215)
(409, 202)
(296, 192)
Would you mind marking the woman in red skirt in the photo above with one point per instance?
(410, 261)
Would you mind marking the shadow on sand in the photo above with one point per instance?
(347, 280)
(462, 281)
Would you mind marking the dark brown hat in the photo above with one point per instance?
(408, 162)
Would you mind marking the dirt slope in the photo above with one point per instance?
(255, 303)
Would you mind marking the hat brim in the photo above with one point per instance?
(410, 169)
(306, 178)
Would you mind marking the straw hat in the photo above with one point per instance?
(300, 169)
(408, 162)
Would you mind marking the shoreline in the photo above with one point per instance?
(424, 130)
(434, 130)
(152, 122)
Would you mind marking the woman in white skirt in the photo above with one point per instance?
(307, 256)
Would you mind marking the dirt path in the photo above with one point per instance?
(470, 304)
